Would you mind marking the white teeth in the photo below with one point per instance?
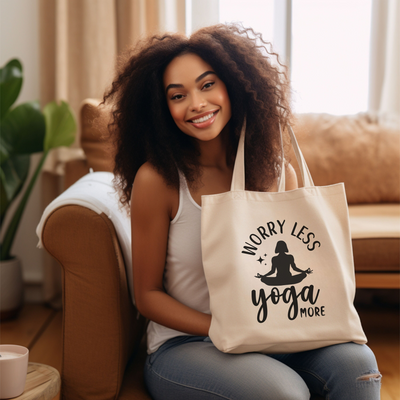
(203, 119)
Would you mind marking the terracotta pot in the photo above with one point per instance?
(11, 288)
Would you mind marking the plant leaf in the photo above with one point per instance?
(12, 228)
(60, 125)
(13, 174)
(5, 148)
(10, 85)
(22, 130)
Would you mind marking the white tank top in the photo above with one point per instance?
(184, 278)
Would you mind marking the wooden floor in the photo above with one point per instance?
(39, 329)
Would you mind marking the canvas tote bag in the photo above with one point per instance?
(279, 265)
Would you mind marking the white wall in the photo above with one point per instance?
(19, 38)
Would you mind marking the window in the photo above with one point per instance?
(256, 14)
(330, 55)
(328, 42)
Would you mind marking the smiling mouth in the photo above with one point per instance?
(203, 119)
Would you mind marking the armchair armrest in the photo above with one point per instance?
(101, 328)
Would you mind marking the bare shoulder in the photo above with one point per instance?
(148, 177)
(151, 193)
(150, 180)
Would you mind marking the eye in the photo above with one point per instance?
(208, 85)
(177, 97)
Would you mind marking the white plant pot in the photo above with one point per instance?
(11, 288)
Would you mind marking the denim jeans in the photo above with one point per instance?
(192, 368)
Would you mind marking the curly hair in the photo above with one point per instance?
(143, 127)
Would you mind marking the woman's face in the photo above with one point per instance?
(197, 99)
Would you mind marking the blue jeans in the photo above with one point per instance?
(191, 367)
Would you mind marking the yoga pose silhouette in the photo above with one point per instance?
(281, 265)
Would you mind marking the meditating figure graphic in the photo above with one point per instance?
(281, 265)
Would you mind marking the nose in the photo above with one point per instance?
(198, 102)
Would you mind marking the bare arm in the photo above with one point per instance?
(151, 209)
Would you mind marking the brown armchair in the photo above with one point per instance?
(102, 351)
(103, 345)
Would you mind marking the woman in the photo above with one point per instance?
(179, 105)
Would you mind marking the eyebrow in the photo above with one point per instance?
(199, 78)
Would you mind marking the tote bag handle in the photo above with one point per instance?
(238, 178)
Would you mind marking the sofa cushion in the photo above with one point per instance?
(376, 255)
(353, 149)
(95, 138)
(375, 232)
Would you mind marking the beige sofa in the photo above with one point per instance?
(102, 354)
(365, 156)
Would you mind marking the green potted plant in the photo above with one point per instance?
(24, 130)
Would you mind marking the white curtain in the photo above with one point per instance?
(384, 96)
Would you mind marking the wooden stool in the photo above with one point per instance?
(42, 382)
